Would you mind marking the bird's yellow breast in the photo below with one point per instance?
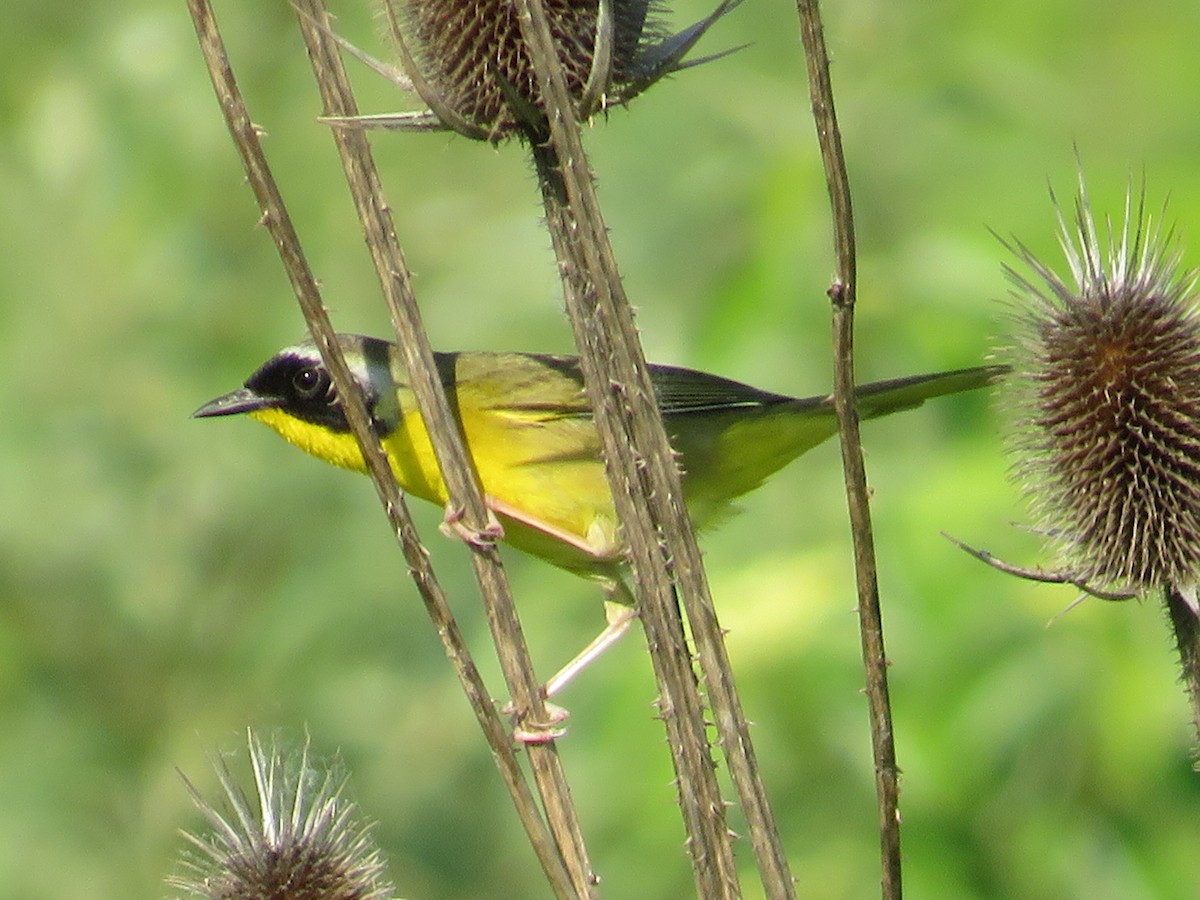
(542, 476)
(408, 449)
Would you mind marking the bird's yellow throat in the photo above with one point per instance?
(340, 449)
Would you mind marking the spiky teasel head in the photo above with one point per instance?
(1106, 389)
(298, 839)
(469, 62)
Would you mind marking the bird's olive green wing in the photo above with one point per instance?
(519, 386)
(530, 427)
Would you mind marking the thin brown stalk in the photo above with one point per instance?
(842, 294)
(648, 496)
(275, 217)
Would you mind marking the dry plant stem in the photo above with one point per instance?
(246, 139)
(842, 293)
(1186, 626)
(620, 397)
(680, 704)
(646, 489)
(522, 681)
(1041, 576)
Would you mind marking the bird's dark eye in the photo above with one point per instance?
(310, 382)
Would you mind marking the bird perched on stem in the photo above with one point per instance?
(528, 427)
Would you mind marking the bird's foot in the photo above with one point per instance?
(453, 527)
(527, 731)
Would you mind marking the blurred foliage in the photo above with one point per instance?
(166, 583)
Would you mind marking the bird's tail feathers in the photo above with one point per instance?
(880, 398)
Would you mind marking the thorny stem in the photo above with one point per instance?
(680, 704)
(842, 295)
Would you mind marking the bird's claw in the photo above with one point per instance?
(453, 527)
(526, 731)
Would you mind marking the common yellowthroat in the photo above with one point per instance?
(528, 427)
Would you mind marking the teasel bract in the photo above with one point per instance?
(467, 60)
(299, 837)
(1106, 395)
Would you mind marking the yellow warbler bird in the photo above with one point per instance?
(528, 427)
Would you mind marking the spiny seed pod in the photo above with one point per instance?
(298, 839)
(469, 63)
(1106, 388)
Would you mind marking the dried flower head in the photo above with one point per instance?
(469, 63)
(299, 840)
(1106, 388)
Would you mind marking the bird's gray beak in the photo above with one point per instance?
(243, 400)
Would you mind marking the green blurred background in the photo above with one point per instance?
(165, 583)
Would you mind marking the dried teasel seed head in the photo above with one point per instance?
(298, 839)
(1106, 391)
(469, 63)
